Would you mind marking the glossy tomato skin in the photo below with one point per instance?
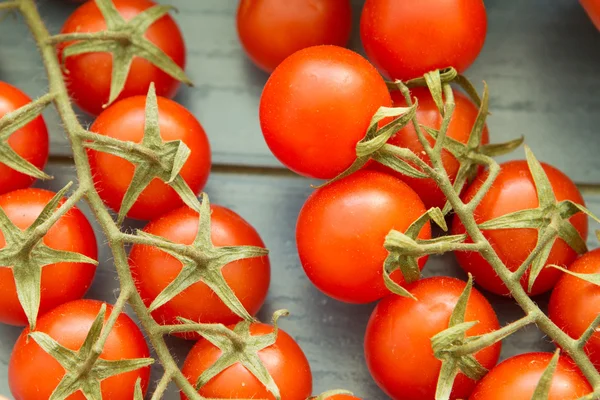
(61, 282)
(517, 377)
(405, 40)
(464, 117)
(514, 190)
(272, 30)
(125, 121)
(284, 360)
(30, 142)
(575, 303)
(89, 75)
(154, 270)
(341, 230)
(398, 338)
(317, 105)
(33, 374)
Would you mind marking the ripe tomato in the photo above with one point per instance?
(30, 142)
(34, 374)
(405, 40)
(61, 282)
(341, 230)
(154, 270)
(512, 191)
(342, 397)
(89, 74)
(271, 30)
(125, 121)
(284, 360)
(592, 8)
(398, 338)
(517, 377)
(459, 129)
(575, 303)
(317, 105)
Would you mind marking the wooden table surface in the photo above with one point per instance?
(541, 60)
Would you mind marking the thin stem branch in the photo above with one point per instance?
(593, 328)
(8, 5)
(161, 387)
(493, 171)
(548, 235)
(448, 112)
(102, 35)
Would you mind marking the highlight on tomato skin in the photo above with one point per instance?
(317, 105)
(398, 338)
(341, 230)
(575, 303)
(516, 378)
(272, 30)
(514, 190)
(31, 142)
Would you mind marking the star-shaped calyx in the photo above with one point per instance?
(152, 158)
(25, 253)
(84, 370)
(203, 262)
(124, 40)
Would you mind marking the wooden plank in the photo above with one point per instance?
(540, 60)
(330, 332)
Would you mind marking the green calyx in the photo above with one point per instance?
(84, 370)
(12, 122)
(124, 40)
(25, 253)
(153, 158)
(542, 389)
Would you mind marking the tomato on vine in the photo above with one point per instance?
(517, 378)
(398, 338)
(60, 282)
(404, 40)
(124, 120)
(514, 190)
(34, 374)
(341, 230)
(30, 142)
(89, 75)
(271, 30)
(575, 302)
(317, 105)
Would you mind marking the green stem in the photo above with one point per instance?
(548, 235)
(102, 35)
(493, 171)
(588, 332)
(41, 230)
(161, 387)
(8, 5)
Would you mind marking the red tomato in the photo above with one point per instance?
(459, 129)
(272, 30)
(34, 374)
(512, 191)
(517, 377)
(30, 142)
(592, 7)
(317, 105)
(125, 121)
(342, 397)
(406, 39)
(61, 282)
(284, 360)
(154, 270)
(341, 230)
(89, 74)
(575, 303)
(398, 338)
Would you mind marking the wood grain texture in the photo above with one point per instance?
(330, 332)
(540, 61)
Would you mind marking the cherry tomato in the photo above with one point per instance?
(512, 191)
(517, 377)
(284, 360)
(317, 105)
(61, 282)
(271, 30)
(398, 338)
(341, 230)
(575, 303)
(34, 374)
(342, 397)
(30, 142)
(89, 75)
(154, 270)
(406, 39)
(459, 129)
(125, 121)
(592, 8)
